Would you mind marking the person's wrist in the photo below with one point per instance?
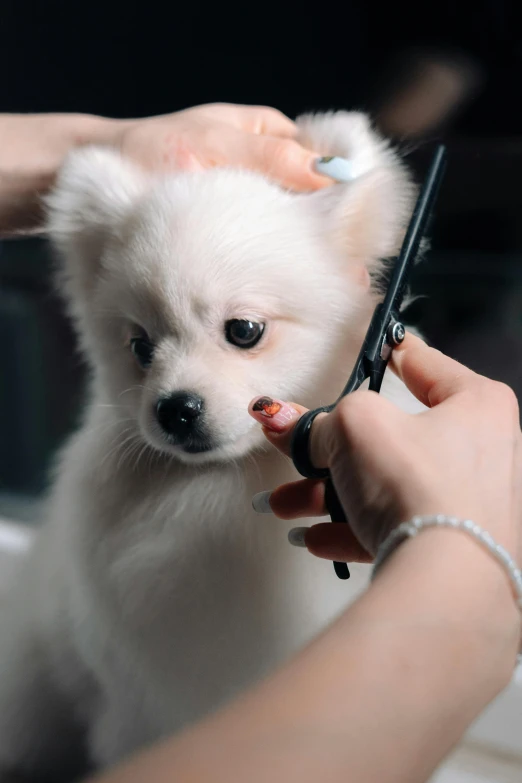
(68, 132)
(427, 498)
(31, 169)
(87, 130)
(448, 584)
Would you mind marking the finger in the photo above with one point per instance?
(362, 419)
(298, 499)
(335, 541)
(278, 419)
(282, 160)
(430, 375)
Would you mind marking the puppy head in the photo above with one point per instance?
(193, 293)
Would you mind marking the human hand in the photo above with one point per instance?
(252, 137)
(462, 457)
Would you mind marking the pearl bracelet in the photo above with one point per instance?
(417, 524)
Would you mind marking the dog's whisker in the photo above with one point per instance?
(135, 449)
(138, 387)
(104, 425)
(119, 445)
(125, 452)
(153, 456)
(133, 444)
(253, 461)
(135, 454)
(110, 454)
(139, 456)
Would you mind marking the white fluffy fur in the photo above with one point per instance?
(154, 592)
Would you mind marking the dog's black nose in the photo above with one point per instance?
(178, 414)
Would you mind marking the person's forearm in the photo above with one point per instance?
(32, 148)
(381, 697)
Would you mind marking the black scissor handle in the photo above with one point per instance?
(303, 463)
(336, 511)
(300, 446)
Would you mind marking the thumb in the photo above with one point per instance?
(430, 375)
(283, 160)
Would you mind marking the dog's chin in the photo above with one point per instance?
(207, 451)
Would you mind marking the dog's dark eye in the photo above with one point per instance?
(243, 334)
(143, 350)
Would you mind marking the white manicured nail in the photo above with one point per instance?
(296, 536)
(261, 502)
(340, 169)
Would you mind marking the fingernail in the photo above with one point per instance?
(261, 502)
(340, 169)
(296, 536)
(272, 414)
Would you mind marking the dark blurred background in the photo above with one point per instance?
(426, 72)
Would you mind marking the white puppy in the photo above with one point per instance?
(154, 592)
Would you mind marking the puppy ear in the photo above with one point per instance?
(367, 217)
(93, 194)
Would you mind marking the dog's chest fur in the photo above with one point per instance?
(186, 593)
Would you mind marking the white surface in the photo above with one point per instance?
(471, 764)
(457, 776)
(501, 725)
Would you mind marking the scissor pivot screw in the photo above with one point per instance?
(396, 333)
